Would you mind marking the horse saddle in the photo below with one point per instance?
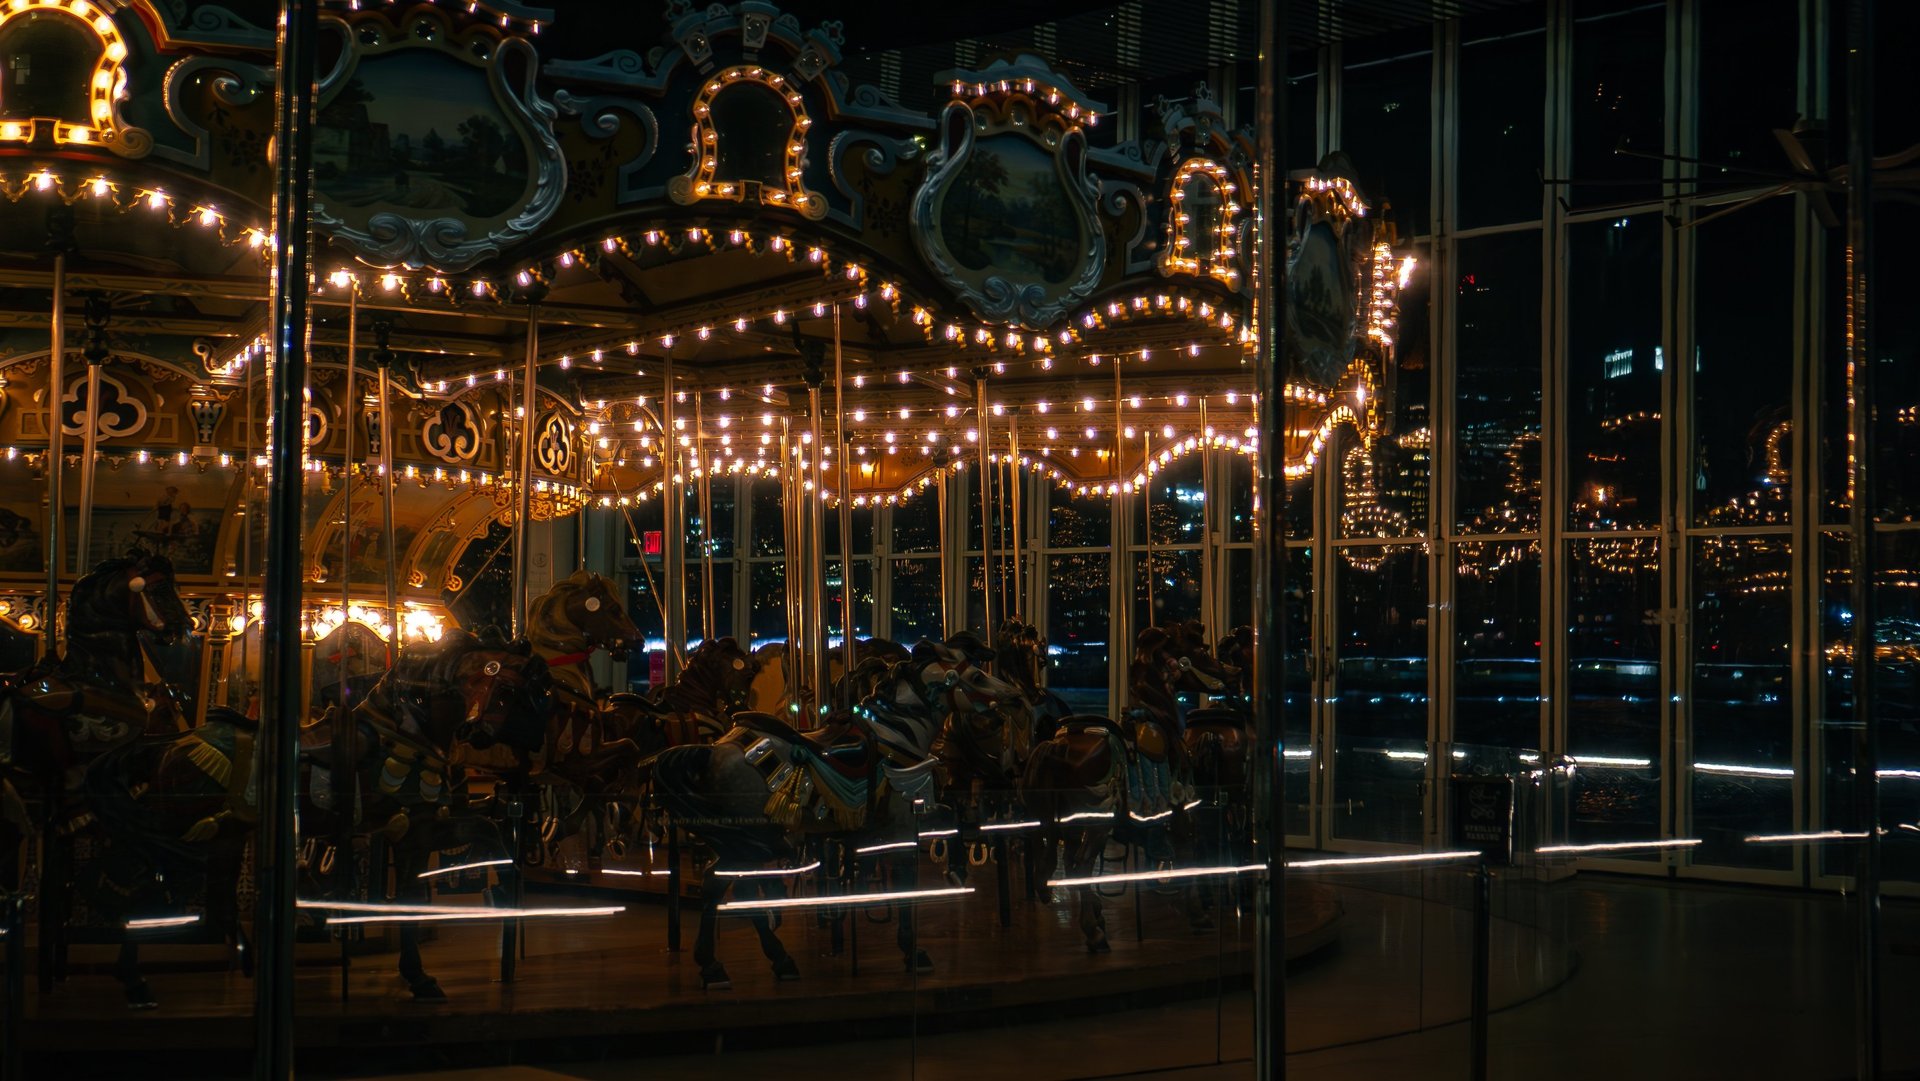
(95, 719)
(815, 780)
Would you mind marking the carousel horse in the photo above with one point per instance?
(1219, 748)
(573, 780)
(859, 776)
(180, 808)
(1095, 779)
(714, 684)
(65, 711)
(769, 691)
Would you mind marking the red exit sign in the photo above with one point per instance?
(650, 543)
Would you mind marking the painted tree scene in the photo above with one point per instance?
(1008, 212)
(418, 132)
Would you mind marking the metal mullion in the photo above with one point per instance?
(1554, 599)
(1677, 268)
(1327, 104)
(1442, 587)
(1649, 206)
(1785, 530)
(1611, 534)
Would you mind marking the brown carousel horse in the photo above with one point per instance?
(1219, 746)
(65, 711)
(769, 691)
(858, 777)
(179, 808)
(573, 780)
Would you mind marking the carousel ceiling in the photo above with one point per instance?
(703, 218)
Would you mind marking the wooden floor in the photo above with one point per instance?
(615, 980)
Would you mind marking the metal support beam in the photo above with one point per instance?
(1269, 555)
(844, 467)
(673, 549)
(56, 454)
(523, 483)
(274, 846)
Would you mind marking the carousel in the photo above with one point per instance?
(565, 314)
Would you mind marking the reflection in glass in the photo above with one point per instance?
(1078, 521)
(1743, 368)
(1503, 78)
(1076, 631)
(767, 617)
(1615, 369)
(1742, 733)
(1496, 673)
(1298, 752)
(862, 600)
(1387, 124)
(1613, 689)
(1747, 86)
(1897, 344)
(1380, 692)
(764, 523)
(916, 600)
(916, 523)
(1896, 699)
(1619, 50)
(1168, 590)
(721, 498)
(1498, 341)
(1174, 503)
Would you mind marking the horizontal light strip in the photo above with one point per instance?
(1743, 771)
(1156, 876)
(1790, 838)
(890, 846)
(478, 914)
(464, 867)
(1407, 756)
(1168, 813)
(770, 872)
(1411, 857)
(161, 921)
(1904, 774)
(882, 898)
(1619, 846)
(1304, 752)
(375, 906)
(1609, 760)
(634, 874)
(1078, 816)
(998, 826)
(938, 833)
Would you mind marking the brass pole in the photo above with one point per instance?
(383, 359)
(986, 504)
(56, 454)
(817, 550)
(96, 354)
(1019, 522)
(844, 466)
(673, 550)
(523, 491)
(703, 494)
(348, 419)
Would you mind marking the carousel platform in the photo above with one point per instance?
(595, 988)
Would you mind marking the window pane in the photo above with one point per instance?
(1175, 502)
(1503, 80)
(916, 523)
(1380, 693)
(721, 535)
(1749, 57)
(1613, 689)
(1239, 482)
(1897, 343)
(1298, 751)
(1742, 736)
(1498, 339)
(916, 600)
(1496, 681)
(768, 619)
(1619, 87)
(862, 531)
(1003, 589)
(1168, 590)
(1383, 490)
(1077, 647)
(769, 532)
(1743, 367)
(1386, 125)
(1614, 373)
(1078, 521)
(862, 600)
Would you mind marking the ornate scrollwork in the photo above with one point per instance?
(553, 445)
(452, 434)
(399, 195)
(121, 413)
(1007, 214)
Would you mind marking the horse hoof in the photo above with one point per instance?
(427, 990)
(786, 969)
(141, 997)
(1099, 946)
(920, 964)
(714, 978)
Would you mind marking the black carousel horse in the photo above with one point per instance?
(174, 809)
(65, 711)
(858, 777)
